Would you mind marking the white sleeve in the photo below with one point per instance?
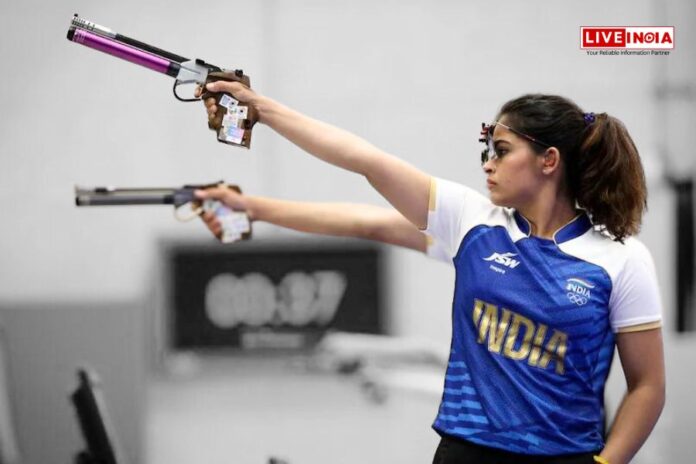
(436, 251)
(452, 211)
(635, 302)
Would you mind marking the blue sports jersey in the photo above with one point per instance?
(534, 323)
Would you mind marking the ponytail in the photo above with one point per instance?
(603, 171)
(609, 182)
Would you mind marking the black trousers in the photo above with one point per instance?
(457, 451)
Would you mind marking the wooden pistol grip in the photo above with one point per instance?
(241, 134)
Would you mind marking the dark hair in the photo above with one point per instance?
(603, 172)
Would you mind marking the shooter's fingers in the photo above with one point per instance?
(238, 90)
(208, 217)
(216, 229)
(212, 223)
(210, 107)
(229, 197)
(215, 193)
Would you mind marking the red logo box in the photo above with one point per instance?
(627, 37)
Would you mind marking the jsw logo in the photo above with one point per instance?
(505, 259)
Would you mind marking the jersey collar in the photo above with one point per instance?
(573, 229)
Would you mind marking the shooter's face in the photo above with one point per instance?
(513, 169)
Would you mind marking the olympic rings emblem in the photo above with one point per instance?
(577, 299)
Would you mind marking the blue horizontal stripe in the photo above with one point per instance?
(458, 368)
(462, 404)
(460, 390)
(456, 385)
(457, 364)
(461, 431)
(465, 418)
(527, 437)
(465, 431)
(513, 442)
(458, 378)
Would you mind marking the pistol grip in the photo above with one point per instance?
(235, 225)
(233, 120)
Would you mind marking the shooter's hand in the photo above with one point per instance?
(228, 197)
(238, 90)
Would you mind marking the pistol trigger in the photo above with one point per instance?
(194, 210)
(177, 83)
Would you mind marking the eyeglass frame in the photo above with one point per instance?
(487, 139)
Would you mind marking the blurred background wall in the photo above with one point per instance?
(414, 77)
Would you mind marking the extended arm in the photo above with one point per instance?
(642, 360)
(404, 186)
(338, 219)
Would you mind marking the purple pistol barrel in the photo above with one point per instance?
(125, 52)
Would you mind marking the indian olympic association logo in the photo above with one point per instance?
(578, 290)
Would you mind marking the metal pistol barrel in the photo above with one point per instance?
(125, 52)
(107, 41)
(83, 24)
(109, 196)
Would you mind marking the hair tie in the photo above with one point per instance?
(589, 118)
